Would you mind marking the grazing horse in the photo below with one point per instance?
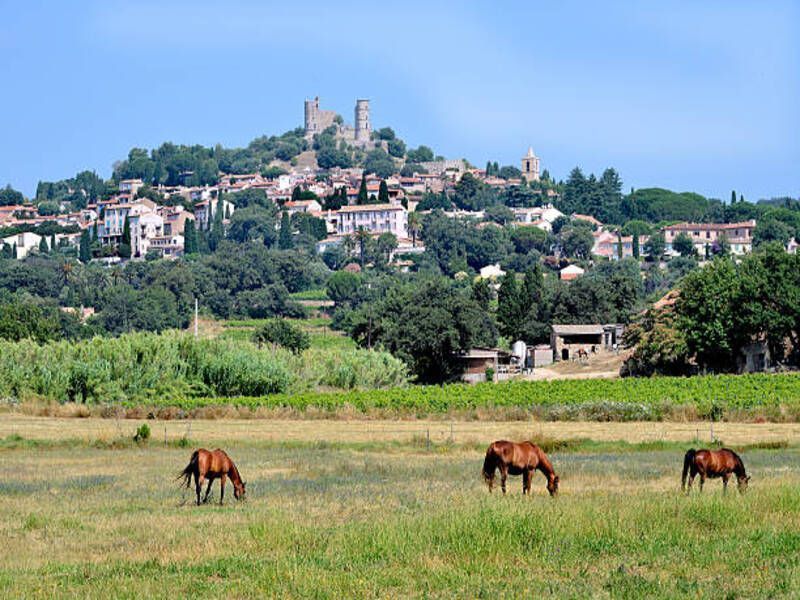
(513, 458)
(713, 464)
(206, 465)
(581, 355)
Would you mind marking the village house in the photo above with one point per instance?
(205, 211)
(570, 272)
(307, 206)
(738, 235)
(374, 218)
(606, 244)
(24, 243)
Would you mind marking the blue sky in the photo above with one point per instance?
(701, 96)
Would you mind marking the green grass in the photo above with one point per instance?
(402, 521)
(321, 294)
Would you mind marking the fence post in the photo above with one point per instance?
(165, 435)
(428, 438)
(452, 439)
(712, 432)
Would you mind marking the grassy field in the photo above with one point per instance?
(362, 511)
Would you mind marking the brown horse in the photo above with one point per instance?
(206, 465)
(713, 464)
(513, 458)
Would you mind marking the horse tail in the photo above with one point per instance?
(190, 469)
(687, 463)
(489, 465)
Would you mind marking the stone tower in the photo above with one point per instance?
(530, 166)
(363, 128)
(311, 114)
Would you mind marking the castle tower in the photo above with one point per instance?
(530, 166)
(363, 128)
(311, 114)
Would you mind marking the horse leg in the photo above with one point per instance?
(692, 474)
(725, 483)
(702, 480)
(503, 475)
(221, 489)
(526, 482)
(208, 491)
(199, 480)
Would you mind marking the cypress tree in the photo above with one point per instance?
(635, 245)
(383, 193)
(43, 245)
(52, 242)
(189, 237)
(508, 307)
(733, 196)
(619, 245)
(296, 193)
(125, 245)
(84, 250)
(285, 236)
(362, 192)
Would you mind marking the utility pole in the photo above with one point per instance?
(195, 318)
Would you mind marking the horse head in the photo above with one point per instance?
(742, 481)
(552, 485)
(239, 490)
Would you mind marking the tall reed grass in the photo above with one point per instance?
(173, 366)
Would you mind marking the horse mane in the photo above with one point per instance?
(235, 471)
(739, 468)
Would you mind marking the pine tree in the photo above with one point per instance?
(85, 248)
(285, 236)
(189, 237)
(383, 193)
(362, 192)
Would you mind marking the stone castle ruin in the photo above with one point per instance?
(317, 120)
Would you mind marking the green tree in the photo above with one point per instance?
(655, 246)
(43, 247)
(383, 193)
(683, 245)
(284, 334)
(124, 249)
(510, 309)
(635, 246)
(482, 293)
(84, 250)
(707, 307)
(285, 241)
(189, 237)
(362, 191)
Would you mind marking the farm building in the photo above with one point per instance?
(478, 360)
(565, 340)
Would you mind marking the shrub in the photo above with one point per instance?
(281, 332)
(142, 433)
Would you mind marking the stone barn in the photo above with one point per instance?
(565, 340)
